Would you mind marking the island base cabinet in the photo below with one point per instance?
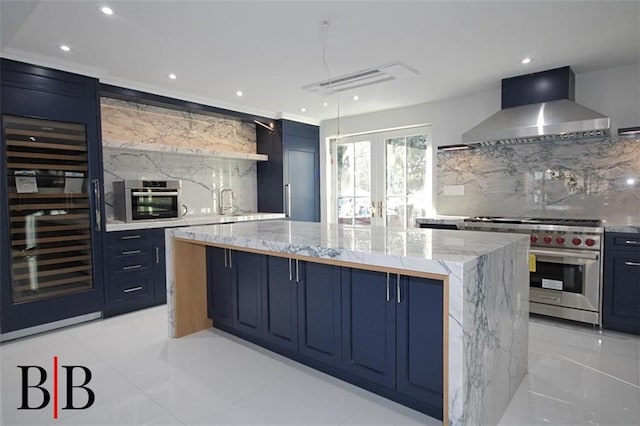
(319, 313)
(419, 372)
(219, 287)
(369, 328)
(247, 272)
(280, 303)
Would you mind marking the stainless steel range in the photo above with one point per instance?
(566, 280)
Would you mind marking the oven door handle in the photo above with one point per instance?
(148, 193)
(590, 256)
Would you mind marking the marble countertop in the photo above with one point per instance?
(425, 250)
(190, 221)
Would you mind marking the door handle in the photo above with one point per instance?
(632, 242)
(398, 297)
(96, 199)
(297, 271)
(290, 273)
(131, 267)
(388, 292)
(225, 258)
(287, 188)
(157, 254)
(632, 263)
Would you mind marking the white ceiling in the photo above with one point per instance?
(269, 50)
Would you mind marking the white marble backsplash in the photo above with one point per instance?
(202, 178)
(590, 178)
(139, 123)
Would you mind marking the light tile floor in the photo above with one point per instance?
(577, 375)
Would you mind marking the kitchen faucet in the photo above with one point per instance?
(226, 208)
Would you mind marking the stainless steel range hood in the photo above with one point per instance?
(539, 107)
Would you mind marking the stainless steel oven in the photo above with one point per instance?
(136, 199)
(566, 271)
(566, 283)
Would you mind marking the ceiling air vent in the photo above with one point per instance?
(387, 72)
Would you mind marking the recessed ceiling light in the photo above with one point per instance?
(631, 181)
(303, 109)
(239, 93)
(172, 76)
(325, 104)
(356, 97)
(65, 47)
(526, 60)
(106, 10)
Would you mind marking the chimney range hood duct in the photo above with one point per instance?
(538, 107)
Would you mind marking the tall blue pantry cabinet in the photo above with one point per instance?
(290, 181)
(51, 200)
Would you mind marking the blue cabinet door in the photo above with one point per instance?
(420, 340)
(369, 328)
(280, 303)
(248, 271)
(319, 312)
(219, 287)
(621, 283)
(160, 267)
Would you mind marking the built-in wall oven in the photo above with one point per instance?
(136, 199)
(566, 266)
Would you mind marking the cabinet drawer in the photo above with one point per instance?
(627, 242)
(127, 237)
(128, 265)
(129, 286)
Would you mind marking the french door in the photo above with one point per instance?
(381, 178)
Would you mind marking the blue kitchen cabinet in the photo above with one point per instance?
(135, 274)
(219, 286)
(621, 282)
(302, 308)
(280, 304)
(393, 335)
(320, 312)
(248, 272)
(51, 237)
(369, 328)
(290, 181)
(419, 372)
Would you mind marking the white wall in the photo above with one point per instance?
(614, 92)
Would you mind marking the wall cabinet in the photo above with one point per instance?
(379, 330)
(621, 283)
(135, 270)
(290, 181)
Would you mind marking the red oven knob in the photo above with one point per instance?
(533, 239)
(590, 242)
(560, 240)
(576, 241)
(547, 239)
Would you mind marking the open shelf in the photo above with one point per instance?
(179, 150)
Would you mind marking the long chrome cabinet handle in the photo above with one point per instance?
(153, 194)
(132, 252)
(297, 271)
(129, 290)
(632, 242)
(230, 262)
(288, 199)
(388, 291)
(632, 263)
(290, 273)
(226, 265)
(398, 299)
(96, 193)
(131, 237)
(157, 254)
(131, 267)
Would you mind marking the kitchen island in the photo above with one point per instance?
(483, 294)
